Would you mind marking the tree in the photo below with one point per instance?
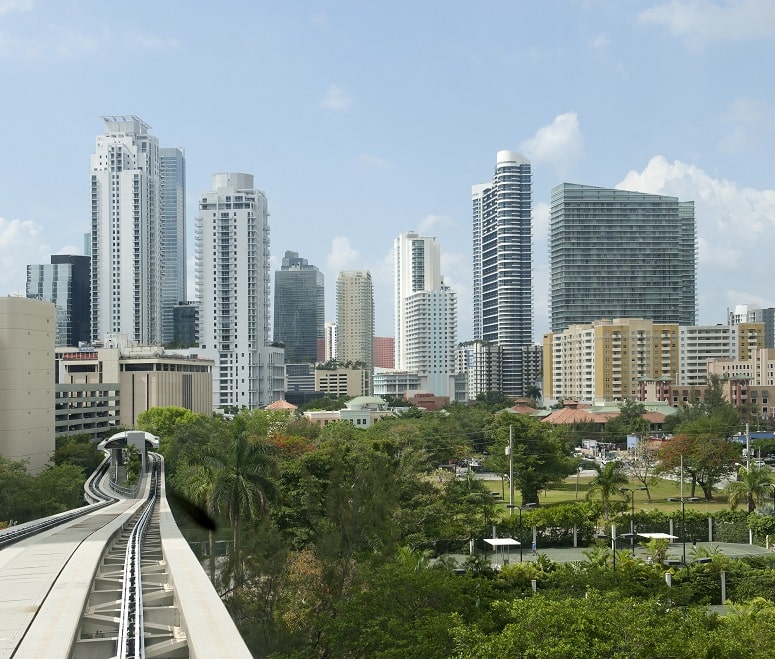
(705, 457)
(643, 462)
(540, 458)
(629, 421)
(237, 480)
(752, 487)
(162, 421)
(77, 450)
(606, 484)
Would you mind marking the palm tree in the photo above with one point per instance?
(236, 481)
(752, 487)
(607, 483)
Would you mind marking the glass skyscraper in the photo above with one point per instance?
(299, 309)
(65, 282)
(502, 265)
(172, 192)
(620, 254)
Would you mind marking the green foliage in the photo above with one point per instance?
(606, 484)
(540, 457)
(705, 456)
(752, 487)
(24, 497)
(629, 421)
(78, 450)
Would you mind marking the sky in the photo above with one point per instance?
(362, 119)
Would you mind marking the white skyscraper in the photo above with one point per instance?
(232, 282)
(126, 232)
(172, 187)
(502, 265)
(425, 314)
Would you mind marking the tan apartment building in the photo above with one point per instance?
(604, 360)
(27, 338)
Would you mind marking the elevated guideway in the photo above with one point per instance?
(63, 592)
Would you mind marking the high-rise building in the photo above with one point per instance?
(172, 191)
(425, 313)
(65, 282)
(27, 331)
(329, 343)
(185, 324)
(502, 265)
(232, 281)
(126, 251)
(299, 318)
(384, 352)
(620, 254)
(355, 318)
(744, 313)
(480, 362)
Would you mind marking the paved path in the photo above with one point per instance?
(576, 554)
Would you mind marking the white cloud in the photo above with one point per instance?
(560, 144)
(750, 120)
(337, 99)
(599, 42)
(375, 162)
(15, 6)
(734, 225)
(341, 256)
(700, 22)
(430, 224)
(21, 244)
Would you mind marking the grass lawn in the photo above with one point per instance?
(660, 491)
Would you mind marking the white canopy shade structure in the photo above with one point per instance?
(658, 536)
(502, 547)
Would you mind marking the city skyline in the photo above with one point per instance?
(621, 95)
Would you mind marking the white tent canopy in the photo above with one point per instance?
(658, 536)
(502, 542)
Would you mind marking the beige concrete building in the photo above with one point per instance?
(100, 388)
(343, 381)
(27, 337)
(604, 361)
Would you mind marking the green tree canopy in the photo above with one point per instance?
(540, 458)
(753, 487)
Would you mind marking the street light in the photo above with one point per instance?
(632, 491)
(619, 537)
(521, 508)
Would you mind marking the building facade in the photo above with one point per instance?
(126, 256)
(299, 309)
(98, 389)
(608, 359)
(620, 254)
(185, 324)
(355, 318)
(172, 210)
(347, 381)
(232, 280)
(384, 352)
(425, 313)
(744, 313)
(480, 362)
(65, 282)
(27, 335)
(502, 264)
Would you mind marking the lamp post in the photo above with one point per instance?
(632, 491)
(613, 542)
(521, 508)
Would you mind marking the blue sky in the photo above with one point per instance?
(361, 120)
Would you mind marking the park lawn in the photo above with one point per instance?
(660, 491)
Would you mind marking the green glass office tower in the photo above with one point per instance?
(299, 309)
(620, 254)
